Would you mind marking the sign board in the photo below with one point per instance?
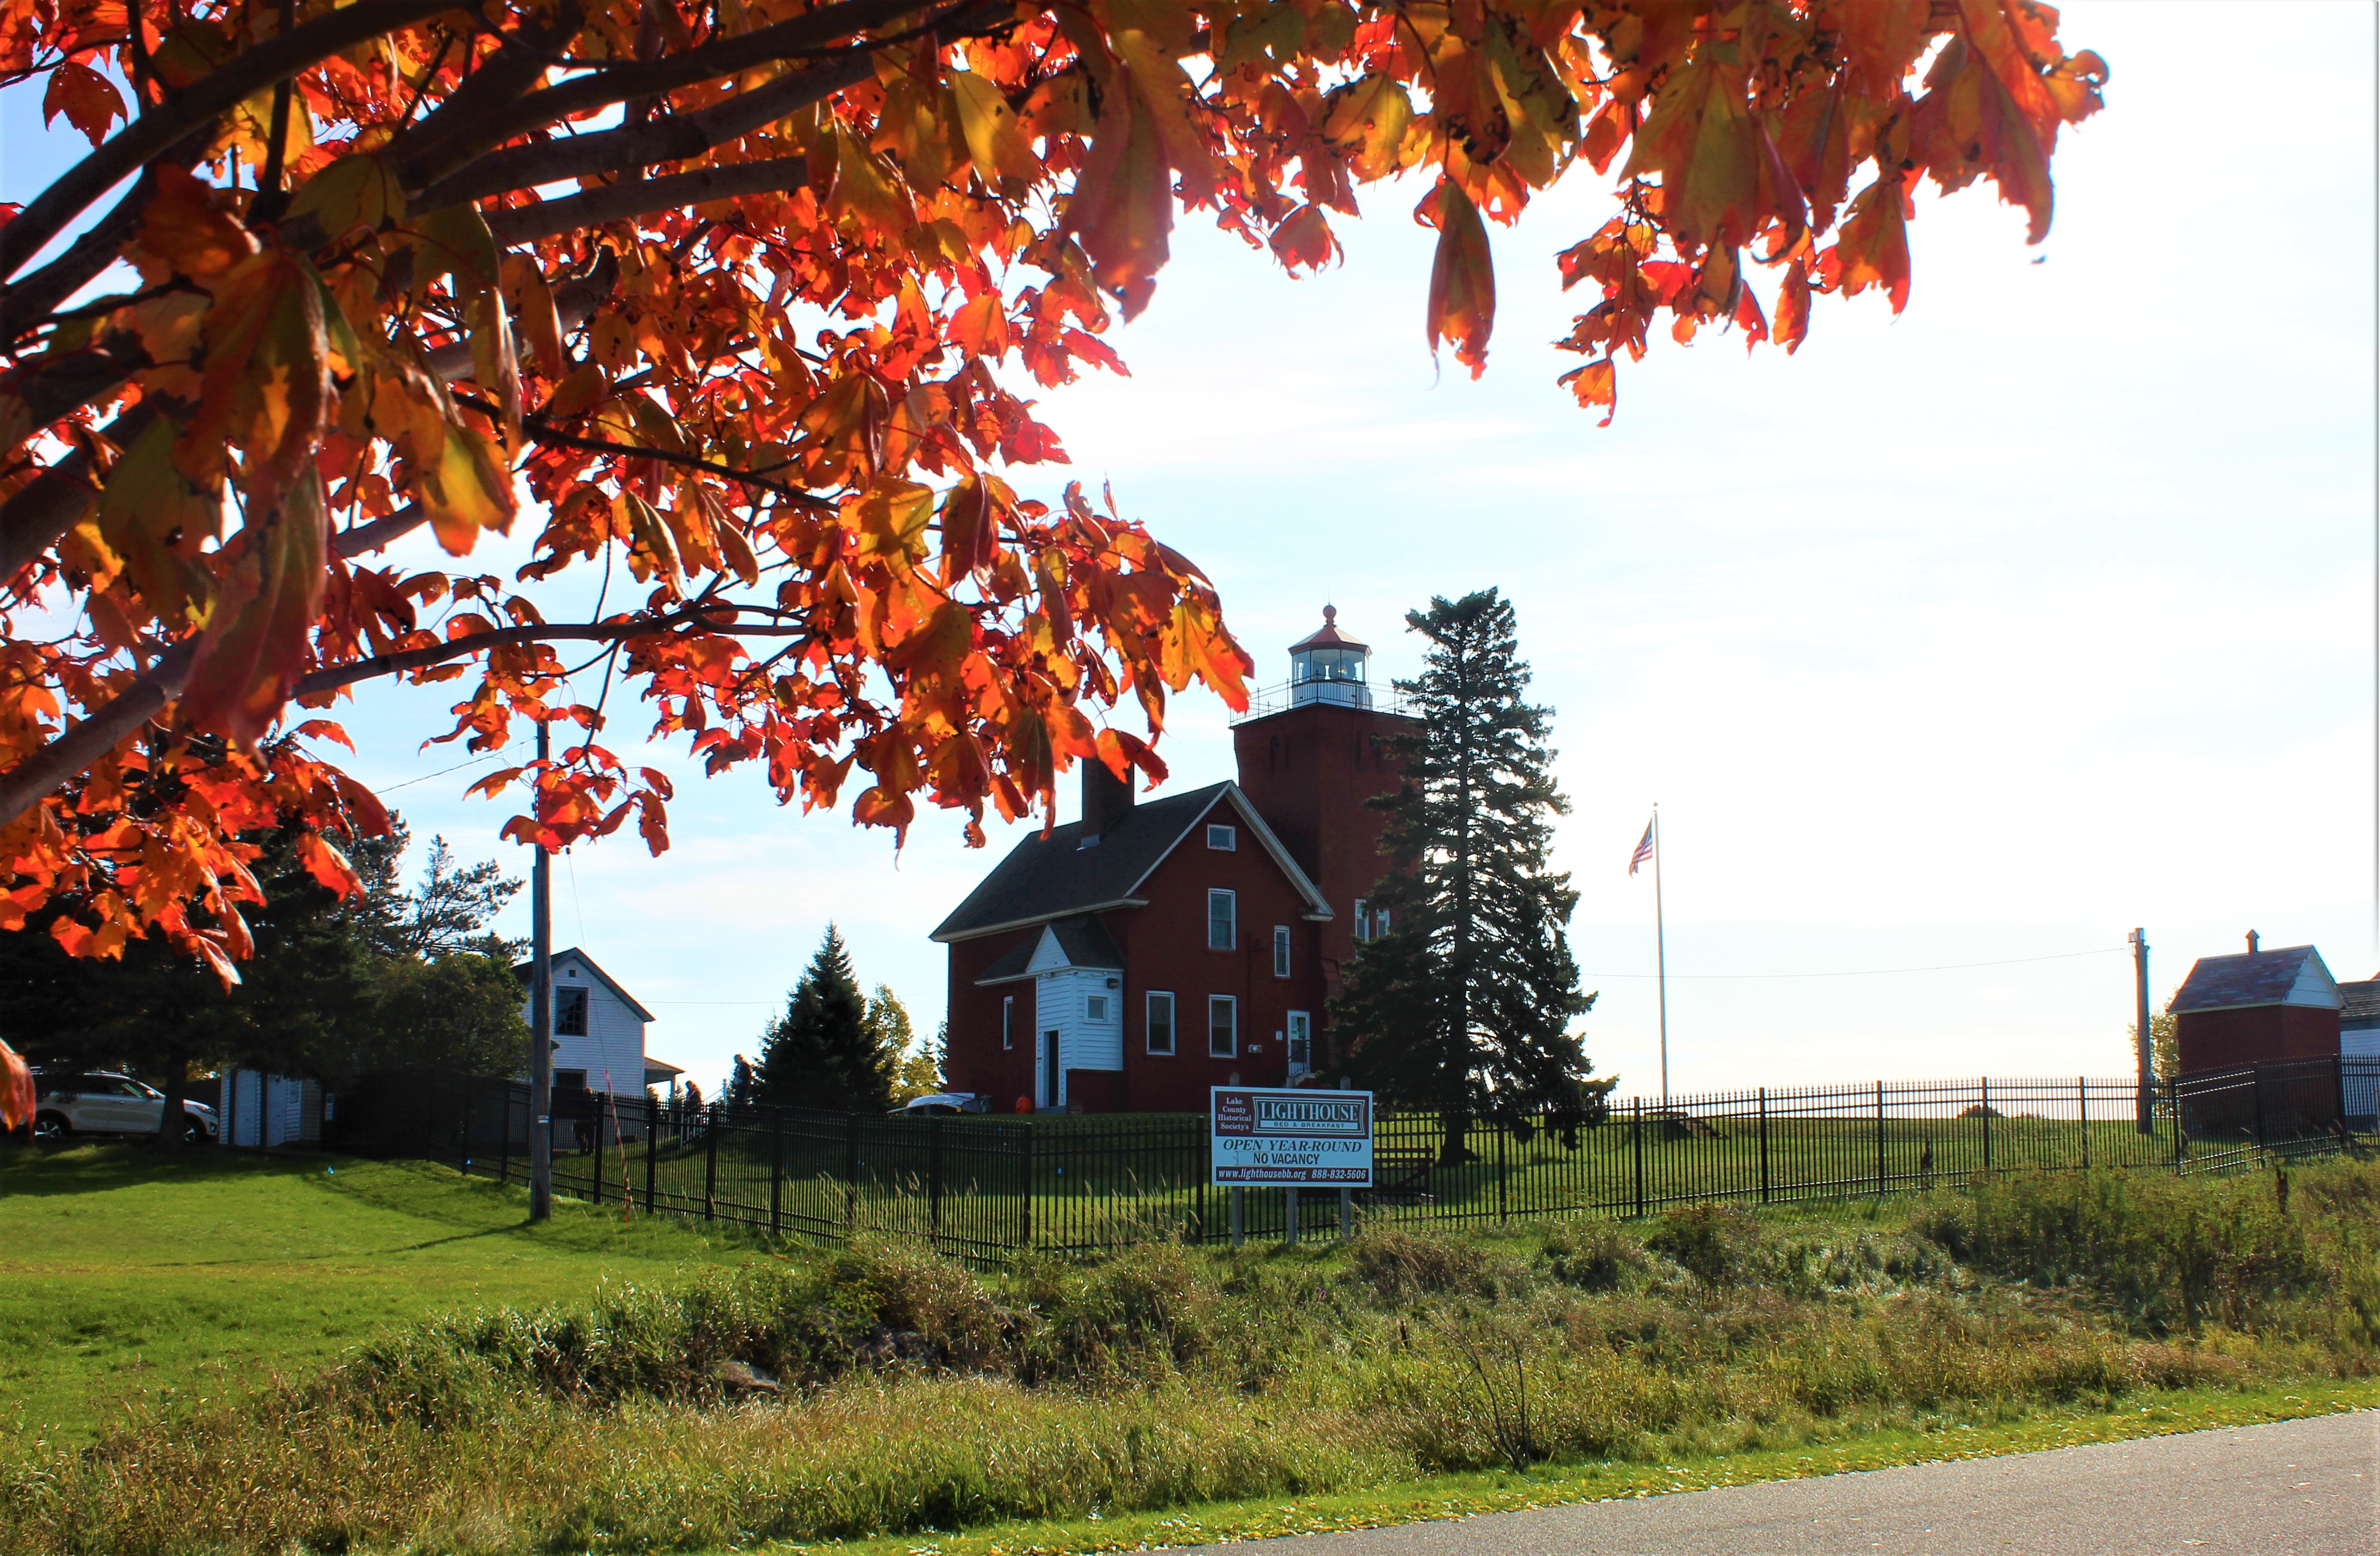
(1283, 1139)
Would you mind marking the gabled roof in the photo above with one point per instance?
(521, 971)
(2288, 975)
(2359, 1003)
(1050, 877)
(1069, 943)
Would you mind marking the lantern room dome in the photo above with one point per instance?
(1329, 666)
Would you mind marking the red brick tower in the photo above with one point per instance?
(1310, 753)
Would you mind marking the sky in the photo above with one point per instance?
(1966, 641)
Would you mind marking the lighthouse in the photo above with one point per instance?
(1310, 755)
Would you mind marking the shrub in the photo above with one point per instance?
(1719, 1244)
(1399, 1264)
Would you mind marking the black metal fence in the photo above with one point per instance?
(985, 1187)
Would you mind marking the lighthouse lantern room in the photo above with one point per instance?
(1329, 667)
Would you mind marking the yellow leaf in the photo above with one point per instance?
(1462, 277)
(355, 193)
(994, 137)
(158, 521)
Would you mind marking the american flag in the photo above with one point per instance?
(1644, 849)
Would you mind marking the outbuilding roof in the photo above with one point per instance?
(2359, 1003)
(2288, 975)
(521, 970)
(1084, 942)
(1055, 876)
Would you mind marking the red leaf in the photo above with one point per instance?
(1462, 276)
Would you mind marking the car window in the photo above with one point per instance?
(119, 1087)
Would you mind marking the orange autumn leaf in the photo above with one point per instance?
(734, 325)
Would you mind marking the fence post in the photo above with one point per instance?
(2083, 1109)
(934, 1173)
(851, 1169)
(1636, 1149)
(1239, 1218)
(2256, 1086)
(2338, 1078)
(1879, 1139)
(1763, 1144)
(595, 1171)
(1503, 1212)
(2181, 1134)
(776, 1173)
(503, 1135)
(652, 1145)
(1987, 1105)
(709, 1161)
(1027, 1212)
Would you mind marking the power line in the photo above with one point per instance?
(475, 761)
(1881, 972)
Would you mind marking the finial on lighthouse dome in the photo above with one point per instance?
(1329, 666)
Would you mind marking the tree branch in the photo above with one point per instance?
(546, 435)
(79, 745)
(809, 35)
(642, 197)
(679, 138)
(156, 130)
(520, 62)
(695, 614)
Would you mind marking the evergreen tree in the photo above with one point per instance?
(819, 1053)
(1463, 1005)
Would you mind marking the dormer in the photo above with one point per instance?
(1329, 667)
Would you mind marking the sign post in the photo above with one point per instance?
(1289, 1140)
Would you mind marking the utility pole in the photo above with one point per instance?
(541, 1017)
(2147, 1043)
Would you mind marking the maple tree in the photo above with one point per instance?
(745, 301)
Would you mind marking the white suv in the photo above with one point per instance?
(104, 1103)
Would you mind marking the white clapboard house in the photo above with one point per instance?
(598, 1030)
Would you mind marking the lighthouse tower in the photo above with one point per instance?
(1310, 754)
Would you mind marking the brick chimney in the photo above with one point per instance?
(2251, 942)
(1107, 798)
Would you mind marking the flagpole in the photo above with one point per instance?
(1661, 956)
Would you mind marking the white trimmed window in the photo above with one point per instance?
(1280, 951)
(1362, 921)
(1222, 839)
(1301, 1042)
(1222, 1026)
(1095, 1007)
(1008, 1021)
(1160, 1021)
(1222, 920)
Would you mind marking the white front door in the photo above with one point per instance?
(1301, 1043)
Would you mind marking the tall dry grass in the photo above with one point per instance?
(915, 1395)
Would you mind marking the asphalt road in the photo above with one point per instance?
(2288, 1489)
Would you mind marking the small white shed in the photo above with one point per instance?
(256, 1109)
(599, 1027)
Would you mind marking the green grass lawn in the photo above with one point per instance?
(122, 1276)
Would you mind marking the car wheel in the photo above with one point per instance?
(51, 1129)
(193, 1131)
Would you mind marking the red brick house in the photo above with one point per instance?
(1129, 960)
(2261, 1005)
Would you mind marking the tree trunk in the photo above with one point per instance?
(1456, 1151)
(171, 1123)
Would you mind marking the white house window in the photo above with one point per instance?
(1301, 1042)
(1222, 1026)
(1379, 923)
(570, 1012)
(1008, 1021)
(1362, 921)
(1222, 920)
(1160, 1022)
(1095, 1008)
(1223, 839)
(1280, 951)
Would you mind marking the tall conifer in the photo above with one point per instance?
(820, 1053)
(1463, 1005)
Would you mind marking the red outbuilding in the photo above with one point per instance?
(2261, 1005)
(1130, 960)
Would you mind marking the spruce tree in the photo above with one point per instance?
(1463, 1005)
(819, 1053)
